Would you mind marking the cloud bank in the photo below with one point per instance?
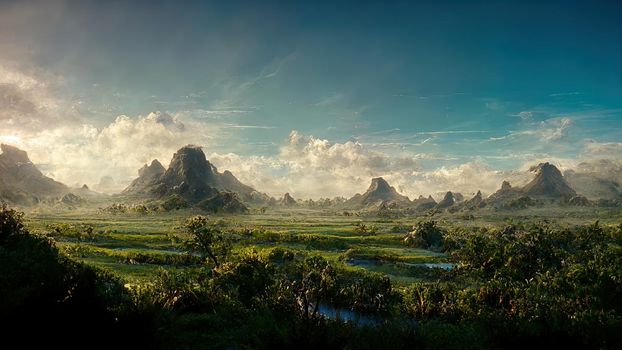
(305, 166)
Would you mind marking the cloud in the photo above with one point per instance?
(524, 115)
(603, 149)
(29, 102)
(559, 94)
(307, 166)
(553, 129)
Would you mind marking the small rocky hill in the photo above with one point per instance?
(379, 191)
(447, 201)
(287, 200)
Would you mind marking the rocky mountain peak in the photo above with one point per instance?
(379, 191)
(548, 182)
(154, 169)
(379, 185)
(13, 155)
(288, 200)
(189, 175)
(447, 201)
(506, 186)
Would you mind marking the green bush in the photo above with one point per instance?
(426, 235)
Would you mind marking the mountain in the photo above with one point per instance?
(189, 175)
(579, 201)
(20, 180)
(287, 200)
(598, 179)
(379, 191)
(505, 193)
(548, 182)
(447, 201)
(148, 176)
(423, 203)
(475, 202)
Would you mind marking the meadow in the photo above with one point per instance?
(134, 246)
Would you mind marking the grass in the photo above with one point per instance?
(134, 246)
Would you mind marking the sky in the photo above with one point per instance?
(313, 98)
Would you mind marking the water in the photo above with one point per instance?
(444, 266)
(369, 262)
(348, 316)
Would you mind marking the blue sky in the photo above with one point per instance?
(448, 81)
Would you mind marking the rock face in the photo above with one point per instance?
(224, 202)
(475, 202)
(504, 194)
(505, 186)
(549, 183)
(71, 199)
(447, 201)
(423, 203)
(379, 191)
(189, 175)
(287, 200)
(579, 201)
(148, 177)
(20, 180)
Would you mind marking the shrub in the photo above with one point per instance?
(425, 235)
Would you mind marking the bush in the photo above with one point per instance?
(426, 235)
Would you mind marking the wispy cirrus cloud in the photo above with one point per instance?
(560, 94)
(549, 130)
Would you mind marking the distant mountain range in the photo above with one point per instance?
(547, 184)
(192, 179)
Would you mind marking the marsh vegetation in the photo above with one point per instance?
(313, 279)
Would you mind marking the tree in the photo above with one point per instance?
(318, 277)
(10, 223)
(207, 240)
(425, 235)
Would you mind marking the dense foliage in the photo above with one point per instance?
(520, 286)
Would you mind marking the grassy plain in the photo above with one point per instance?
(134, 246)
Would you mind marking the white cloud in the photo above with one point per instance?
(524, 115)
(312, 167)
(554, 129)
(603, 149)
(29, 102)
